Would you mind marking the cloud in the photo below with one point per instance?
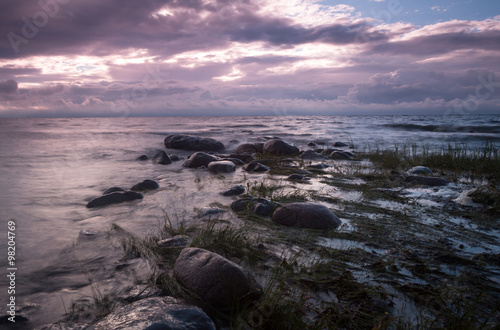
(155, 57)
(8, 86)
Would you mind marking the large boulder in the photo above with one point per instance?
(419, 170)
(311, 155)
(279, 147)
(256, 166)
(188, 142)
(199, 159)
(305, 215)
(114, 198)
(340, 155)
(259, 206)
(157, 313)
(234, 191)
(426, 180)
(250, 148)
(161, 158)
(145, 186)
(213, 278)
(221, 166)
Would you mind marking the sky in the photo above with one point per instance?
(83, 58)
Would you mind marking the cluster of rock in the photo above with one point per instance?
(117, 195)
(216, 280)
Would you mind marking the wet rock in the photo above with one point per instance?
(176, 241)
(279, 147)
(486, 195)
(188, 142)
(210, 212)
(145, 186)
(161, 158)
(340, 144)
(311, 155)
(213, 278)
(157, 313)
(222, 166)
(312, 144)
(142, 158)
(234, 191)
(199, 159)
(426, 180)
(259, 206)
(114, 198)
(419, 170)
(250, 148)
(340, 155)
(245, 158)
(175, 158)
(297, 177)
(112, 190)
(318, 166)
(235, 161)
(305, 215)
(256, 166)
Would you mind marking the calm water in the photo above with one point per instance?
(50, 168)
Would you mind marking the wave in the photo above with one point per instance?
(444, 128)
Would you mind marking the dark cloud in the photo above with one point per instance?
(8, 86)
(420, 85)
(110, 26)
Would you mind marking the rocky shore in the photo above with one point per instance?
(318, 238)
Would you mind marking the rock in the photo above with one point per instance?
(157, 313)
(311, 155)
(297, 177)
(312, 144)
(112, 190)
(279, 147)
(245, 158)
(319, 166)
(235, 161)
(188, 142)
(302, 172)
(234, 191)
(161, 158)
(259, 206)
(420, 170)
(255, 166)
(199, 159)
(221, 166)
(176, 241)
(340, 144)
(250, 148)
(340, 155)
(114, 198)
(142, 158)
(175, 158)
(305, 215)
(145, 186)
(209, 212)
(213, 278)
(426, 180)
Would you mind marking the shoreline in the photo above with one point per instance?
(383, 259)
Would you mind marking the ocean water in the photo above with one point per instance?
(50, 169)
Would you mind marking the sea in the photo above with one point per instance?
(51, 168)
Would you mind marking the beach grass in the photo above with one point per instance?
(474, 163)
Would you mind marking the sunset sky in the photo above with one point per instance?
(230, 57)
